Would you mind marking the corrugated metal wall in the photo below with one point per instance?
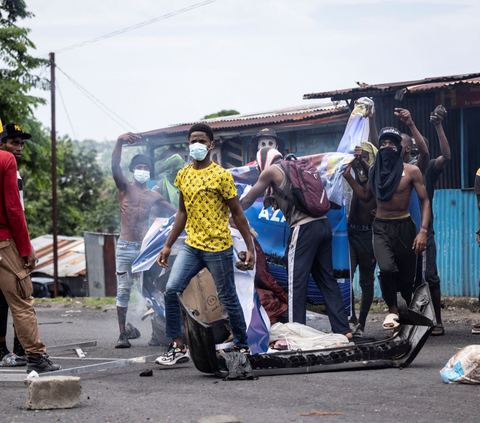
(420, 106)
(458, 254)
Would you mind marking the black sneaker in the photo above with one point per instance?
(123, 341)
(241, 350)
(41, 364)
(132, 332)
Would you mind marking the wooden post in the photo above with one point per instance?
(54, 177)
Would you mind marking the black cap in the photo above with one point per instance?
(12, 130)
(141, 159)
(390, 132)
(267, 132)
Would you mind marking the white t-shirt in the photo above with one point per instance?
(20, 189)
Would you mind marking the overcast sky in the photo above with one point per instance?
(248, 55)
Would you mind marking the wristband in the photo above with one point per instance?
(426, 228)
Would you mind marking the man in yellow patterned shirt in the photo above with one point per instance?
(207, 195)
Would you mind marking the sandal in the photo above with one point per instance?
(439, 330)
(476, 329)
(12, 360)
(391, 322)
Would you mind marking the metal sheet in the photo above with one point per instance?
(100, 258)
(72, 346)
(294, 116)
(71, 255)
(93, 368)
(458, 254)
(375, 89)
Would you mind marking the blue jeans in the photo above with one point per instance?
(188, 263)
(126, 253)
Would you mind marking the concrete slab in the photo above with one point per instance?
(51, 392)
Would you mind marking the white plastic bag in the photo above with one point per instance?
(463, 367)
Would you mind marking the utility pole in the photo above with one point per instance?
(54, 177)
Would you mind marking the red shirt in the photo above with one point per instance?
(12, 217)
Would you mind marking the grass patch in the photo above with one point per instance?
(86, 301)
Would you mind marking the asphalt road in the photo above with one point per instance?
(182, 394)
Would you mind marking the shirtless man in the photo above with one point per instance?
(395, 238)
(360, 219)
(136, 202)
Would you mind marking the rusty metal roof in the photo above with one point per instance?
(378, 89)
(71, 255)
(285, 117)
(439, 85)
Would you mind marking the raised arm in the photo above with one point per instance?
(420, 243)
(177, 229)
(373, 137)
(423, 154)
(117, 173)
(445, 157)
(364, 193)
(242, 225)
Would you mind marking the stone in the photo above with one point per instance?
(219, 419)
(50, 392)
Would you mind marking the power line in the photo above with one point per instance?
(65, 108)
(105, 109)
(136, 26)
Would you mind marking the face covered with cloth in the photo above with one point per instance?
(171, 167)
(369, 154)
(387, 170)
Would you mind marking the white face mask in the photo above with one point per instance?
(141, 176)
(267, 142)
(198, 151)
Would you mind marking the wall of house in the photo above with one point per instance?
(318, 140)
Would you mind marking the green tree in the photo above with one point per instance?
(17, 78)
(221, 113)
(86, 197)
(17, 74)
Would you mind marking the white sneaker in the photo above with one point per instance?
(174, 355)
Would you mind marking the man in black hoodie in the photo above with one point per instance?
(395, 238)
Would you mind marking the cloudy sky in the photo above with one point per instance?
(248, 55)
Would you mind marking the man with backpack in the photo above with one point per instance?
(288, 186)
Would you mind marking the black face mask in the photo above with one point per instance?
(414, 153)
(386, 172)
(389, 156)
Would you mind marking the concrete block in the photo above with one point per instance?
(219, 419)
(51, 392)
